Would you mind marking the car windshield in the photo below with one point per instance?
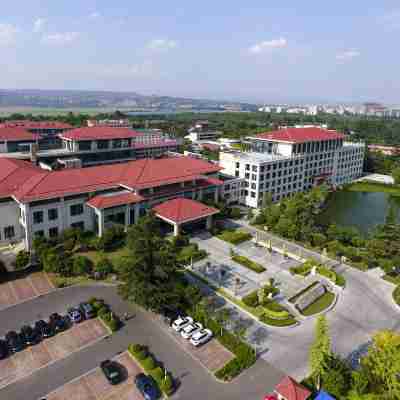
(199, 335)
(114, 374)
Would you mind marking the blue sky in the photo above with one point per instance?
(254, 51)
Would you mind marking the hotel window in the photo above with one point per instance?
(39, 233)
(254, 177)
(253, 186)
(237, 165)
(247, 167)
(253, 194)
(116, 143)
(102, 144)
(76, 209)
(78, 225)
(9, 232)
(254, 168)
(38, 217)
(53, 232)
(52, 214)
(85, 145)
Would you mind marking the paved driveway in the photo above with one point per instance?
(196, 382)
(364, 307)
(94, 385)
(48, 351)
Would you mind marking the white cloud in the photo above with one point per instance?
(347, 55)
(94, 15)
(162, 45)
(391, 20)
(60, 39)
(8, 34)
(39, 24)
(267, 45)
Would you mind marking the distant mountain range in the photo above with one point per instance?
(99, 99)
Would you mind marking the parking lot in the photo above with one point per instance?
(94, 385)
(20, 290)
(27, 361)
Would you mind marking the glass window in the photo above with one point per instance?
(39, 233)
(102, 144)
(37, 217)
(78, 225)
(53, 232)
(253, 194)
(85, 145)
(53, 214)
(9, 232)
(76, 209)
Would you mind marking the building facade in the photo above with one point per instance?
(293, 160)
(35, 202)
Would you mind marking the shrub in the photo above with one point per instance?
(278, 322)
(112, 238)
(167, 384)
(157, 373)
(251, 300)
(22, 259)
(234, 236)
(114, 324)
(81, 265)
(248, 263)
(104, 267)
(148, 363)
(235, 213)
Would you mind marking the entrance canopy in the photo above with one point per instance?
(181, 210)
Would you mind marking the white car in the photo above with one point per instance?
(190, 330)
(181, 323)
(201, 337)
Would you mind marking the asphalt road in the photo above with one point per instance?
(144, 328)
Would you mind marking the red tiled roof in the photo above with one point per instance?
(114, 199)
(181, 210)
(99, 132)
(300, 135)
(36, 124)
(134, 174)
(13, 174)
(292, 390)
(16, 134)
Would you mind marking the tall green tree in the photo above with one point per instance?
(150, 272)
(320, 351)
(382, 365)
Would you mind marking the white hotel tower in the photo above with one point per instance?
(293, 160)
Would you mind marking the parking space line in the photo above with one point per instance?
(31, 372)
(28, 279)
(14, 292)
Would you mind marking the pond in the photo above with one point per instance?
(362, 210)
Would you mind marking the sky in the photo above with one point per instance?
(255, 50)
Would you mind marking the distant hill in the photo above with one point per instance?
(100, 99)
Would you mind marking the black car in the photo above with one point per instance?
(30, 336)
(147, 387)
(14, 342)
(58, 323)
(112, 371)
(87, 310)
(44, 328)
(3, 349)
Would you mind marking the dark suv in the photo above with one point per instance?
(30, 336)
(44, 328)
(147, 387)
(87, 310)
(3, 349)
(58, 323)
(14, 341)
(112, 371)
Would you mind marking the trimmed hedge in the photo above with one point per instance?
(103, 311)
(234, 236)
(319, 305)
(332, 275)
(245, 356)
(396, 295)
(246, 262)
(278, 322)
(152, 367)
(276, 311)
(251, 300)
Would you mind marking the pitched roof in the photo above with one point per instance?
(300, 135)
(183, 210)
(292, 390)
(36, 124)
(17, 134)
(114, 199)
(13, 174)
(99, 132)
(136, 174)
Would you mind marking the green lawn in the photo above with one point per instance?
(367, 186)
(113, 256)
(320, 304)
(396, 295)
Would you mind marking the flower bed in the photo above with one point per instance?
(151, 366)
(246, 262)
